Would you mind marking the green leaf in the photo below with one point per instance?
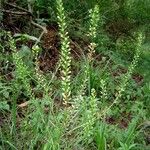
(100, 137)
(4, 105)
(6, 94)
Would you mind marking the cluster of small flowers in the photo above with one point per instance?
(22, 72)
(38, 73)
(94, 19)
(91, 114)
(21, 68)
(12, 42)
(65, 56)
(104, 95)
(91, 111)
(82, 90)
(131, 68)
(127, 76)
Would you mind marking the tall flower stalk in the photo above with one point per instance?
(127, 76)
(21, 74)
(38, 73)
(94, 20)
(65, 55)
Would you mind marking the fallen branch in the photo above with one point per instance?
(18, 7)
(35, 24)
(26, 12)
(38, 25)
(15, 12)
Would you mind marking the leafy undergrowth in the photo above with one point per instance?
(87, 89)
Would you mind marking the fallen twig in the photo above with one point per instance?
(18, 7)
(15, 12)
(22, 105)
(38, 25)
(26, 12)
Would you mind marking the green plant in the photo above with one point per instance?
(21, 73)
(126, 140)
(4, 93)
(102, 98)
(126, 46)
(100, 136)
(94, 20)
(127, 76)
(65, 60)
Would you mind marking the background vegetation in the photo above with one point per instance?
(74, 75)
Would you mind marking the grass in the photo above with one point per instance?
(95, 98)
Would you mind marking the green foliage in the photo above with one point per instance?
(100, 137)
(98, 101)
(127, 139)
(4, 106)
